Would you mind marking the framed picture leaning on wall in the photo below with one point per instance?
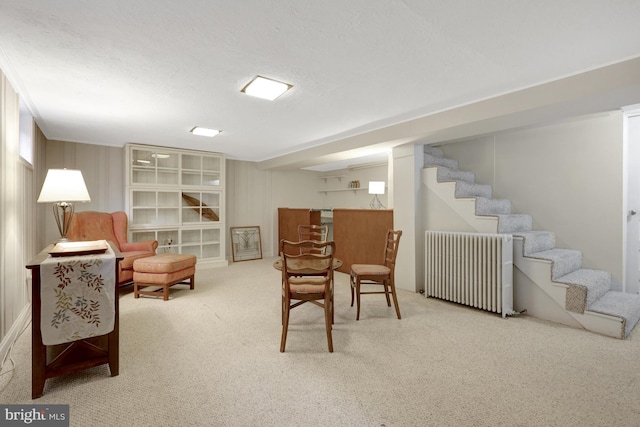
(246, 243)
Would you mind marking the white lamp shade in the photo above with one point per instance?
(376, 187)
(64, 185)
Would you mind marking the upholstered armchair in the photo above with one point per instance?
(88, 226)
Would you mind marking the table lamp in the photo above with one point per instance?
(375, 188)
(62, 186)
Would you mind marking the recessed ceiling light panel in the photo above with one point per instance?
(262, 87)
(198, 130)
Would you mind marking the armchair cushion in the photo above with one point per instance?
(127, 262)
(89, 225)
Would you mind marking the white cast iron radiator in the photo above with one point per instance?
(474, 269)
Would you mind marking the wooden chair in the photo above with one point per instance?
(307, 277)
(318, 233)
(374, 274)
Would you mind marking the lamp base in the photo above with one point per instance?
(376, 203)
(63, 212)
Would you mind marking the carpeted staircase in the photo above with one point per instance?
(585, 294)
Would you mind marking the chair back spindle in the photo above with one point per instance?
(318, 233)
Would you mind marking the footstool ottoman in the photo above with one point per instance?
(162, 270)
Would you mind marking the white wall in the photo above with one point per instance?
(103, 171)
(248, 191)
(567, 175)
(254, 195)
(17, 218)
(407, 216)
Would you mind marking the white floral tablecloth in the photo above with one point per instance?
(77, 294)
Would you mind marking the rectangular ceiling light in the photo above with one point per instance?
(204, 131)
(262, 87)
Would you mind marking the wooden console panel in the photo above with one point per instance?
(289, 219)
(360, 235)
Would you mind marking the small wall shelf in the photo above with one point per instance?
(338, 177)
(342, 189)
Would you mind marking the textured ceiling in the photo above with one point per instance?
(120, 71)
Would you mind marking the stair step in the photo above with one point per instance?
(597, 282)
(514, 222)
(434, 151)
(466, 189)
(564, 261)
(486, 206)
(585, 287)
(447, 174)
(430, 160)
(537, 241)
(619, 304)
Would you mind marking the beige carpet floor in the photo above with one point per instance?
(210, 357)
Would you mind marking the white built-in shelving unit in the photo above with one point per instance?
(177, 197)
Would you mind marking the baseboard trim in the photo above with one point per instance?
(14, 332)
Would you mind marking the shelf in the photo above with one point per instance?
(342, 189)
(338, 177)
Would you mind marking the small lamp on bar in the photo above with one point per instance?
(61, 187)
(375, 188)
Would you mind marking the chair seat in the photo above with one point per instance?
(370, 270)
(307, 266)
(307, 285)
